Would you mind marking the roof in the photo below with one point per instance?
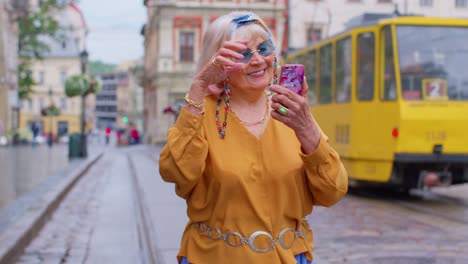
(369, 19)
(66, 45)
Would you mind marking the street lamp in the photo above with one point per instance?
(49, 136)
(83, 143)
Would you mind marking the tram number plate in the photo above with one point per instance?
(435, 89)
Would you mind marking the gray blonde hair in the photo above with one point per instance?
(223, 29)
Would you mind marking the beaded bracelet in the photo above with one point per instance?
(199, 106)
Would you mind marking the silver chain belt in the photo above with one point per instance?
(235, 239)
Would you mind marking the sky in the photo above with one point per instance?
(114, 29)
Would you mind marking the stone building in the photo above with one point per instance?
(9, 12)
(173, 35)
(111, 103)
(60, 62)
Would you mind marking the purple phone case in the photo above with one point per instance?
(292, 77)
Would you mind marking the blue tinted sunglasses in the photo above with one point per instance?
(265, 49)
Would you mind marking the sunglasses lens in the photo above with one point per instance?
(266, 48)
(247, 55)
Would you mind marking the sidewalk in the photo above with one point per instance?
(166, 211)
(19, 228)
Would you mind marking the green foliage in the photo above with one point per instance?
(81, 85)
(25, 80)
(51, 111)
(32, 25)
(97, 67)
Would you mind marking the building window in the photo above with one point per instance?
(41, 77)
(186, 46)
(63, 76)
(425, 2)
(63, 104)
(313, 34)
(41, 103)
(461, 3)
(384, 1)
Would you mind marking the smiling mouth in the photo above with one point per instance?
(257, 73)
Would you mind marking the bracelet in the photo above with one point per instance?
(199, 106)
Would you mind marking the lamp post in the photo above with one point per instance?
(50, 134)
(83, 143)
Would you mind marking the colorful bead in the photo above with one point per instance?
(227, 96)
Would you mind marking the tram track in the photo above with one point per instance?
(146, 234)
(438, 205)
(441, 206)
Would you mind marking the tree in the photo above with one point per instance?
(33, 26)
(81, 85)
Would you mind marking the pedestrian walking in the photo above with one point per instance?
(35, 133)
(247, 155)
(134, 135)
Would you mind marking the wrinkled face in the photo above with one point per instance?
(258, 70)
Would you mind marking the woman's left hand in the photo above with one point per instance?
(293, 110)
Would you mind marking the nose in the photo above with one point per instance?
(256, 57)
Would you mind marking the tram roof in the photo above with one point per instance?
(370, 19)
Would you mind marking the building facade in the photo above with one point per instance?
(106, 100)
(173, 36)
(60, 62)
(130, 101)
(9, 12)
(119, 104)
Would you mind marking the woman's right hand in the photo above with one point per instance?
(210, 79)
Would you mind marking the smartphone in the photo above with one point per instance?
(292, 77)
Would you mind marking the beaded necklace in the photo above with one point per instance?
(227, 97)
(267, 106)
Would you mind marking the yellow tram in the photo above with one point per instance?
(392, 96)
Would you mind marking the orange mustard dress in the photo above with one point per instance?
(246, 184)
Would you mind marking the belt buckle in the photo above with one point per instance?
(255, 235)
(281, 237)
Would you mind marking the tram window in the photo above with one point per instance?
(365, 64)
(343, 70)
(325, 80)
(389, 83)
(311, 76)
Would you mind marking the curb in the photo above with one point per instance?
(17, 237)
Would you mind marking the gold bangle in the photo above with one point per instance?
(199, 106)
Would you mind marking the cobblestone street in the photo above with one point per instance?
(97, 223)
(363, 230)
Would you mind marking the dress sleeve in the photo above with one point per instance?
(325, 174)
(182, 160)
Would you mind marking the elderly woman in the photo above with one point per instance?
(247, 155)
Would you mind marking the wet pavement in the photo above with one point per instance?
(122, 212)
(25, 167)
